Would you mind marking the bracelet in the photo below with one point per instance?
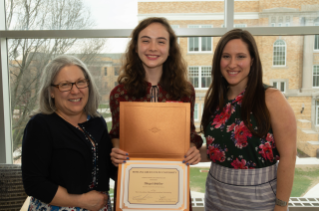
(281, 203)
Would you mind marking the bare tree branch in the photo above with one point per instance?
(28, 57)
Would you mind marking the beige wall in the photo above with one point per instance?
(183, 7)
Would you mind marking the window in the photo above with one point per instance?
(200, 77)
(274, 84)
(315, 75)
(115, 83)
(196, 112)
(240, 25)
(116, 70)
(279, 53)
(175, 27)
(206, 77)
(202, 109)
(317, 112)
(193, 73)
(281, 85)
(287, 21)
(105, 70)
(273, 21)
(200, 44)
(280, 21)
(316, 47)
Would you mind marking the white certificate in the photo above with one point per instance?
(153, 185)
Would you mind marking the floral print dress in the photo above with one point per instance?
(231, 144)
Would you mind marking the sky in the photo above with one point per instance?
(114, 14)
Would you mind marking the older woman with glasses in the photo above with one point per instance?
(66, 146)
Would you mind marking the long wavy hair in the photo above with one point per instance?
(254, 97)
(174, 77)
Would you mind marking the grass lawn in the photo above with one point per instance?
(109, 126)
(104, 106)
(111, 192)
(305, 178)
(105, 115)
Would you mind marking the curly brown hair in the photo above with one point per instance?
(174, 76)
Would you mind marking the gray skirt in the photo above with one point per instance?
(240, 189)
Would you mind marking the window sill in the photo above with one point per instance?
(281, 67)
(194, 53)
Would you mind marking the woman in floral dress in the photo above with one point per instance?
(248, 127)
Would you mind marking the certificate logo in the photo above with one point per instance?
(155, 130)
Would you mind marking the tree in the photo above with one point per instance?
(28, 57)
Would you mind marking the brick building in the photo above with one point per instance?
(290, 63)
(105, 70)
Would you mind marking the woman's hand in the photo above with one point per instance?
(93, 200)
(118, 156)
(192, 156)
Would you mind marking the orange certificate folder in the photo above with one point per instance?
(156, 136)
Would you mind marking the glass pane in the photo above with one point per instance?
(108, 14)
(282, 86)
(204, 44)
(279, 53)
(196, 43)
(71, 14)
(191, 44)
(26, 66)
(196, 111)
(274, 13)
(274, 84)
(316, 47)
(193, 73)
(100, 56)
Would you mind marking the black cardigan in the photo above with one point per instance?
(56, 153)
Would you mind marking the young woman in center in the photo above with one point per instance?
(248, 127)
(154, 71)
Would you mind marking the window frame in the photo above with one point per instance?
(200, 67)
(313, 70)
(278, 85)
(196, 111)
(316, 36)
(200, 51)
(317, 112)
(5, 116)
(273, 53)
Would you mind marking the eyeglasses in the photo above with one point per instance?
(65, 87)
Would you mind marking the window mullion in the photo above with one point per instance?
(229, 14)
(5, 120)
